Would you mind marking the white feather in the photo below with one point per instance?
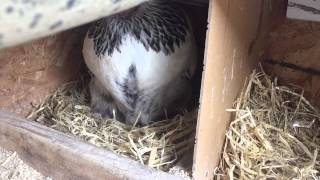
(154, 69)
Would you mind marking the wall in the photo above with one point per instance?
(293, 56)
(31, 71)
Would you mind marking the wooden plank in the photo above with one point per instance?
(32, 71)
(304, 10)
(236, 37)
(22, 21)
(64, 157)
(293, 56)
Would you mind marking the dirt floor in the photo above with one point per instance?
(13, 168)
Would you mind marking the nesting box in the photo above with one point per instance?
(239, 34)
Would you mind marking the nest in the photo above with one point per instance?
(157, 145)
(274, 134)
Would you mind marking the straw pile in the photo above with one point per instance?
(157, 145)
(274, 134)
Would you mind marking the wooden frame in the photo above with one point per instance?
(235, 43)
(64, 157)
(236, 39)
(22, 21)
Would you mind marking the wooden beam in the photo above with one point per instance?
(22, 21)
(61, 156)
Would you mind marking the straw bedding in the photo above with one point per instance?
(274, 134)
(157, 145)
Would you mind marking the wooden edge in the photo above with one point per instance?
(61, 156)
(235, 43)
(22, 21)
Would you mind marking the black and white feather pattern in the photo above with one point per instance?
(143, 60)
(156, 25)
(304, 10)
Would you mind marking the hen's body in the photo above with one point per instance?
(142, 61)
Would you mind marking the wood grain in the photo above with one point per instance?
(31, 71)
(236, 39)
(64, 157)
(294, 49)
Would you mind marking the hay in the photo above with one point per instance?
(274, 134)
(157, 145)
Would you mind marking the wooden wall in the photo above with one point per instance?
(31, 71)
(293, 55)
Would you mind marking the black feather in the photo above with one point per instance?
(158, 24)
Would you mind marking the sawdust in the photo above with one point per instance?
(13, 168)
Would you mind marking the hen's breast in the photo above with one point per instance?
(153, 69)
(143, 58)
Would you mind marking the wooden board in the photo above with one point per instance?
(31, 71)
(235, 41)
(293, 56)
(64, 157)
(304, 10)
(27, 20)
